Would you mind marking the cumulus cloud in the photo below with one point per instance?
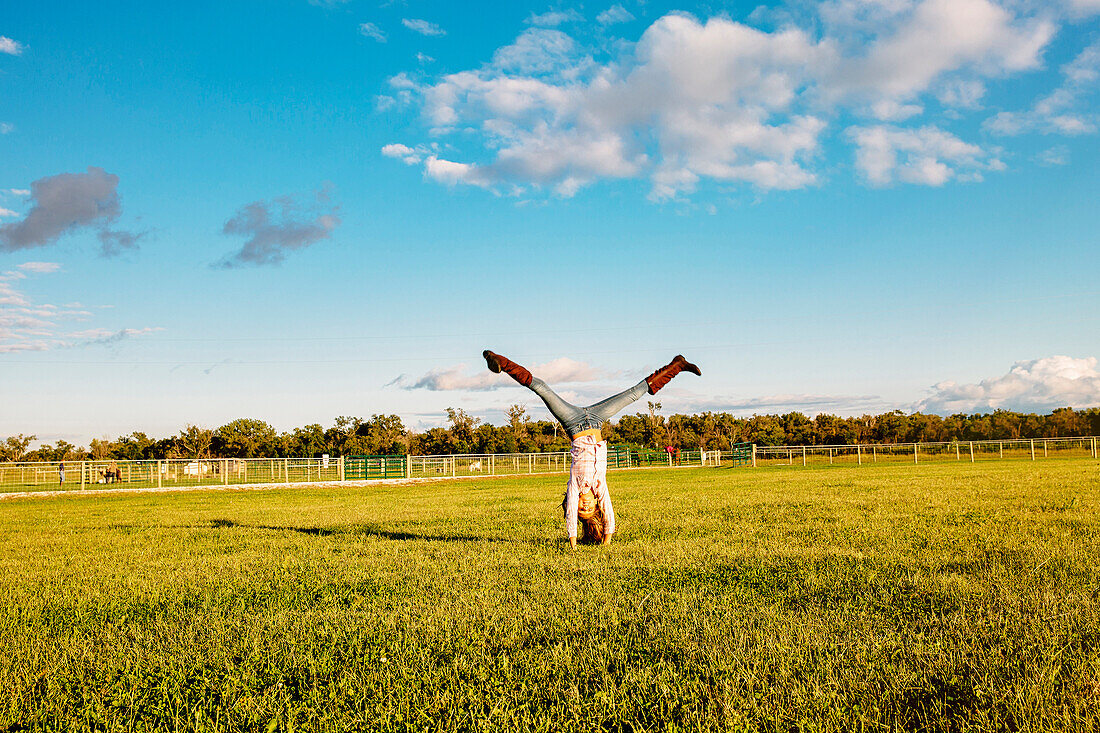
(7, 212)
(66, 203)
(423, 27)
(614, 14)
(1040, 385)
(720, 101)
(927, 156)
(273, 228)
(558, 371)
(370, 30)
(9, 46)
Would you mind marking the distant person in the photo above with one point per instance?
(586, 495)
(115, 474)
(61, 474)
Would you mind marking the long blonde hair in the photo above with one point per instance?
(591, 523)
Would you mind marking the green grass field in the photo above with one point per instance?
(930, 597)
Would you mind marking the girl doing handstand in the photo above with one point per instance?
(586, 496)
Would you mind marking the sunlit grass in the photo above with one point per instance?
(939, 597)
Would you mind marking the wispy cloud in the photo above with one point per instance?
(67, 203)
(928, 156)
(1060, 111)
(370, 30)
(1039, 385)
(458, 377)
(40, 268)
(285, 224)
(614, 14)
(809, 404)
(9, 46)
(26, 325)
(423, 27)
(554, 18)
(6, 127)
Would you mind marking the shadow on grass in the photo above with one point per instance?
(368, 531)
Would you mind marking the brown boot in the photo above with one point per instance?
(498, 364)
(662, 376)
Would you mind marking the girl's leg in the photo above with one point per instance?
(570, 416)
(604, 410)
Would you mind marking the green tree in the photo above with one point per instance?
(193, 442)
(245, 438)
(15, 447)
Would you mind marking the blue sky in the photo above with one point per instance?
(294, 210)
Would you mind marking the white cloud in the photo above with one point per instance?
(558, 371)
(1040, 385)
(614, 14)
(19, 191)
(7, 212)
(1083, 7)
(423, 27)
(411, 156)
(554, 18)
(926, 156)
(29, 326)
(41, 268)
(370, 30)
(6, 127)
(9, 46)
(809, 404)
(1059, 112)
(890, 110)
(937, 37)
(719, 101)
(962, 94)
(1057, 155)
(451, 173)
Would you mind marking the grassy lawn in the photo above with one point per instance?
(930, 597)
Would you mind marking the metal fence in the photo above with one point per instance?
(186, 472)
(969, 450)
(189, 472)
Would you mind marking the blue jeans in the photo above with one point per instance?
(578, 419)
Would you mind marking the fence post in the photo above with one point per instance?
(972, 451)
(1033, 449)
(82, 474)
(1045, 441)
(340, 467)
(957, 456)
(670, 459)
(859, 455)
(1002, 449)
(225, 472)
(914, 453)
(158, 474)
(874, 454)
(286, 470)
(803, 456)
(754, 455)
(830, 456)
(1094, 447)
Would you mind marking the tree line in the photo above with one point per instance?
(387, 435)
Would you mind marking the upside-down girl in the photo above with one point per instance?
(586, 496)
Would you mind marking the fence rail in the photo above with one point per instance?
(184, 472)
